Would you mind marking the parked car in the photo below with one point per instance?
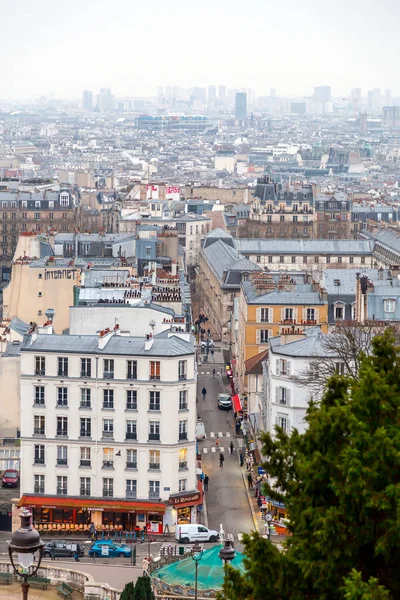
(195, 533)
(224, 402)
(210, 343)
(61, 549)
(10, 478)
(109, 548)
(200, 430)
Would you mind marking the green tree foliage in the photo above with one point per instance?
(340, 482)
(128, 593)
(143, 589)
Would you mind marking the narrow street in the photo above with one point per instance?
(227, 502)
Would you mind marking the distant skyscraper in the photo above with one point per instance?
(388, 96)
(322, 93)
(356, 94)
(241, 106)
(222, 91)
(105, 100)
(377, 99)
(212, 94)
(370, 98)
(87, 100)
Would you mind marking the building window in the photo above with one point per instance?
(86, 367)
(293, 259)
(182, 485)
(85, 486)
(264, 315)
(351, 260)
(339, 259)
(64, 216)
(338, 312)
(183, 404)
(363, 260)
(282, 396)
(62, 426)
(62, 396)
(316, 259)
(305, 259)
(353, 311)
(258, 258)
(281, 259)
(131, 459)
(40, 365)
(154, 460)
(283, 367)
(62, 455)
(37, 216)
(108, 487)
(131, 430)
(283, 422)
(51, 216)
(85, 457)
(288, 314)
(282, 219)
(310, 314)
(108, 398)
(108, 428)
(270, 259)
(154, 400)
(86, 427)
(339, 368)
(39, 454)
(62, 367)
(131, 488)
(62, 487)
(154, 430)
(183, 430)
(328, 260)
(39, 395)
(38, 425)
(182, 370)
(38, 486)
(64, 200)
(108, 368)
(389, 306)
(108, 458)
(183, 458)
(262, 336)
(131, 400)
(155, 370)
(131, 369)
(85, 398)
(154, 490)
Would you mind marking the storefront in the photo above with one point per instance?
(54, 514)
(186, 506)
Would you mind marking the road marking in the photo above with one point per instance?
(228, 434)
(212, 434)
(205, 450)
(222, 449)
(213, 449)
(240, 536)
(220, 434)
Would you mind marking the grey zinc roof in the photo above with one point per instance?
(302, 295)
(388, 238)
(347, 279)
(116, 345)
(19, 326)
(309, 346)
(222, 257)
(273, 246)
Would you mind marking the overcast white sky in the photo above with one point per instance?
(53, 47)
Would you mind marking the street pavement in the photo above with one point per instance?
(226, 499)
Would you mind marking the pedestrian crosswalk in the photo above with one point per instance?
(219, 434)
(216, 449)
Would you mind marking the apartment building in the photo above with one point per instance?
(108, 429)
(333, 214)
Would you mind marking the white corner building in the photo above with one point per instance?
(108, 430)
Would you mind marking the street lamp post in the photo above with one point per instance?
(227, 552)
(197, 553)
(22, 547)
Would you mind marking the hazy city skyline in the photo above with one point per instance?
(62, 49)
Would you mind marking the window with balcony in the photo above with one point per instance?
(85, 456)
(283, 367)
(62, 486)
(108, 428)
(262, 336)
(282, 396)
(263, 315)
(288, 314)
(39, 395)
(154, 400)
(62, 396)
(182, 370)
(86, 427)
(154, 460)
(86, 400)
(131, 369)
(108, 487)
(62, 456)
(154, 490)
(85, 486)
(131, 430)
(38, 425)
(40, 365)
(62, 366)
(108, 398)
(182, 485)
(131, 459)
(131, 400)
(183, 402)
(108, 368)
(39, 454)
(131, 488)
(86, 367)
(183, 458)
(155, 368)
(108, 458)
(62, 426)
(183, 430)
(38, 486)
(154, 431)
(36, 216)
(310, 314)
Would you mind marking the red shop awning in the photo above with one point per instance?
(79, 503)
(237, 405)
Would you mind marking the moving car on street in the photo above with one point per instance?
(200, 430)
(224, 402)
(10, 478)
(109, 548)
(186, 534)
(61, 549)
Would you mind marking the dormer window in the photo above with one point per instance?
(64, 199)
(37, 204)
(389, 305)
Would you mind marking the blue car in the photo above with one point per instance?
(109, 548)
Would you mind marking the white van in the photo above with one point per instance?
(200, 430)
(195, 533)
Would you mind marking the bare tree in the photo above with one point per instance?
(341, 352)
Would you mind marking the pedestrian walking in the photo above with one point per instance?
(213, 372)
(145, 566)
(250, 480)
(221, 459)
(241, 459)
(204, 392)
(212, 351)
(76, 555)
(217, 442)
(206, 483)
(231, 447)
